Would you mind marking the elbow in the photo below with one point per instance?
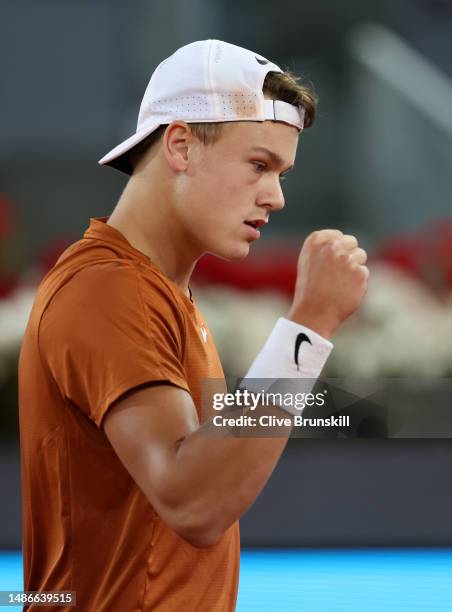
(200, 532)
(201, 539)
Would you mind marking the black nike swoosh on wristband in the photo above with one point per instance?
(298, 342)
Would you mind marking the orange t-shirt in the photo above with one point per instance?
(106, 320)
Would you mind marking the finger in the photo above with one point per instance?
(358, 256)
(321, 237)
(349, 242)
(364, 271)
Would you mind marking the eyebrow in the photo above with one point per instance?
(276, 159)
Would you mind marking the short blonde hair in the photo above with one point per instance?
(283, 86)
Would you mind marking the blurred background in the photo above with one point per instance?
(376, 163)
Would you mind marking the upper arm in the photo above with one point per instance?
(144, 428)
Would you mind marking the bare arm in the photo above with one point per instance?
(200, 484)
(197, 483)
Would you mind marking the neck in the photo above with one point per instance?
(145, 215)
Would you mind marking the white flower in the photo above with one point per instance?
(14, 314)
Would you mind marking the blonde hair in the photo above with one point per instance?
(283, 86)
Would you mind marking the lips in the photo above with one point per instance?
(256, 223)
(253, 232)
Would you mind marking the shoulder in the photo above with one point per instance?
(114, 295)
(111, 282)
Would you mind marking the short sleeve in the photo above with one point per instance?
(100, 338)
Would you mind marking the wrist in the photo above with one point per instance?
(290, 361)
(322, 324)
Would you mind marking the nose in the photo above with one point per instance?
(272, 196)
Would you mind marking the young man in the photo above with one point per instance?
(126, 501)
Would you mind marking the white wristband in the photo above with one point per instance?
(293, 352)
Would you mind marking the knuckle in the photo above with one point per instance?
(365, 272)
(314, 237)
(325, 235)
(359, 255)
(329, 248)
(349, 240)
(360, 270)
(342, 256)
(336, 234)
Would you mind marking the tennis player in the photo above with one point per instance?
(125, 501)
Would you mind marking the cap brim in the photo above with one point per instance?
(117, 158)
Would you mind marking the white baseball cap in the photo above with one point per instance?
(206, 81)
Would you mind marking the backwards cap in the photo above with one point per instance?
(207, 81)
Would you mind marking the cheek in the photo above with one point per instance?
(224, 176)
(217, 195)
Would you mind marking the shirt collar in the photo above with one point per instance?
(99, 230)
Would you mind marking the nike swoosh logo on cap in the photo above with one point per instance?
(261, 61)
(298, 342)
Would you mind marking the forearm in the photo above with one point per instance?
(218, 478)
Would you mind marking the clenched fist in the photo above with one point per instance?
(331, 281)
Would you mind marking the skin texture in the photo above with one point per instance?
(331, 281)
(183, 200)
(186, 199)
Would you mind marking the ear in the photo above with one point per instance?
(176, 143)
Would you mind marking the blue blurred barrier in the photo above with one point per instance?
(325, 580)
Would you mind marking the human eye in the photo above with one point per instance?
(259, 166)
(284, 175)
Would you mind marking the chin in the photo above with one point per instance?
(235, 253)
